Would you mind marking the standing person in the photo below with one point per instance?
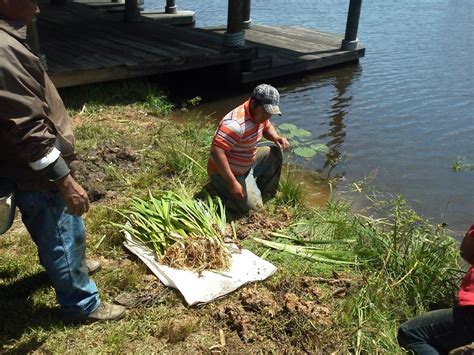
(242, 172)
(36, 156)
(441, 331)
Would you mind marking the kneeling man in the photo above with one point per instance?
(242, 171)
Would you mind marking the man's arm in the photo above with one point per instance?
(467, 246)
(223, 168)
(271, 134)
(23, 123)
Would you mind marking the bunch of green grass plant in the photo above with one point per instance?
(414, 265)
(290, 193)
(187, 154)
(143, 94)
(182, 231)
(321, 236)
(313, 250)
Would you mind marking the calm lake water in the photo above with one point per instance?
(403, 115)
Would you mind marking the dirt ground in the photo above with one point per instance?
(91, 170)
(291, 316)
(295, 316)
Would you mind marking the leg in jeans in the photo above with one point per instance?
(252, 200)
(60, 238)
(261, 180)
(439, 331)
(267, 169)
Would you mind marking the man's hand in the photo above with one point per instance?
(282, 142)
(237, 191)
(74, 195)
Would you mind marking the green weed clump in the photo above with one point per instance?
(404, 266)
(414, 268)
(290, 193)
(141, 93)
(182, 231)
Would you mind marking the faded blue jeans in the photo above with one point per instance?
(259, 182)
(60, 238)
(438, 332)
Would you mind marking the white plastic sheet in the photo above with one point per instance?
(209, 285)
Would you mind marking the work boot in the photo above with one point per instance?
(107, 311)
(93, 265)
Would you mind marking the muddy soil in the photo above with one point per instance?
(262, 223)
(97, 170)
(294, 317)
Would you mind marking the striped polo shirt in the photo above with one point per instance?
(238, 135)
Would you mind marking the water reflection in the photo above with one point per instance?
(341, 101)
(337, 84)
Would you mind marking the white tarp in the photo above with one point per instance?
(207, 286)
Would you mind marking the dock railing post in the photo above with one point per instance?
(132, 12)
(171, 7)
(350, 41)
(32, 39)
(235, 36)
(247, 19)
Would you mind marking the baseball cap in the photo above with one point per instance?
(269, 97)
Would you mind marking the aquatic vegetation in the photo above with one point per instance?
(460, 164)
(300, 141)
(182, 231)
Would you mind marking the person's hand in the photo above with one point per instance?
(237, 191)
(282, 142)
(74, 195)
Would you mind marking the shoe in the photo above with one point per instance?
(93, 265)
(106, 311)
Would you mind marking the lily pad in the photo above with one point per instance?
(287, 127)
(305, 152)
(294, 131)
(320, 148)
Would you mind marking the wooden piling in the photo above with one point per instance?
(235, 37)
(171, 7)
(132, 12)
(247, 20)
(350, 40)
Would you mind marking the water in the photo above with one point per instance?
(404, 114)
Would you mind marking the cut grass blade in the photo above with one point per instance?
(304, 242)
(325, 256)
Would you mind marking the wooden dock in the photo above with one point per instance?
(85, 46)
(290, 50)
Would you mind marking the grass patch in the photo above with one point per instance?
(93, 99)
(306, 306)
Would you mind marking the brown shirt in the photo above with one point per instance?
(33, 119)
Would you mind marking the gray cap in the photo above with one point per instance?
(269, 97)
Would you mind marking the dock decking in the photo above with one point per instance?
(290, 50)
(86, 46)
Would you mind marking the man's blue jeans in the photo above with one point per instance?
(60, 238)
(438, 332)
(261, 181)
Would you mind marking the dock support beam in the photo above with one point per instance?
(247, 19)
(171, 7)
(350, 41)
(132, 12)
(235, 36)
